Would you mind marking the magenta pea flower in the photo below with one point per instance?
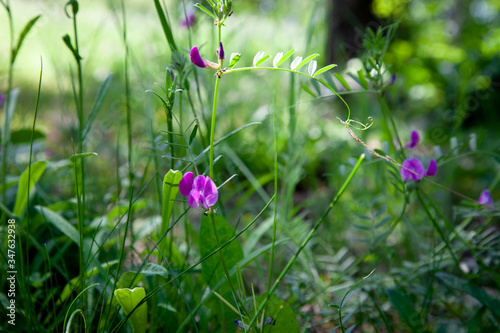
(200, 191)
(486, 198)
(414, 169)
(431, 169)
(198, 61)
(414, 139)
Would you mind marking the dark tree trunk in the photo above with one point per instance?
(347, 22)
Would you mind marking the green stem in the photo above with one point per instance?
(307, 239)
(212, 128)
(226, 272)
(387, 115)
(80, 192)
(292, 121)
(438, 229)
(275, 194)
(127, 98)
(6, 120)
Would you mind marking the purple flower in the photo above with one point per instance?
(431, 169)
(414, 169)
(2, 100)
(414, 139)
(270, 321)
(196, 58)
(198, 61)
(240, 324)
(189, 19)
(486, 198)
(393, 79)
(200, 191)
(220, 52)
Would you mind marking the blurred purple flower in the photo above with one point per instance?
(393, 79)
(198, 61)
(486, 198)
(270, 321)
(188, 20)
(414, 169)
(414, 139)
(2, 100)
(431, 169)
(240, 324)
(200, 191)
(220, 52)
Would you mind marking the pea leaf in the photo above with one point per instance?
(286, 56)
(262, 60)
(324, 69)
(235, 57)
(312, 67)
(307, 90)
(170, 189)
(206, 11)
(257, 57)
(295, 63)
(277, 58)
(362, 79)
(342, 81)
(306, 60)
(128, 300)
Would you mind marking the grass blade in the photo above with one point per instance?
(60, 223)
(165, 26)
(23, 35)
(26, 183)
(101, 93)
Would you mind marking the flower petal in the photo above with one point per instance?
(189, 19)
(412, 169)
(210, 193)
(485, 198)
(199, 183)
(186, 184)
(431, 169)
(414, 139)
(196, 58)
(194, 198)
(221, 51)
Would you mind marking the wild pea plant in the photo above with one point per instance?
(156, 260)
(201, 190)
